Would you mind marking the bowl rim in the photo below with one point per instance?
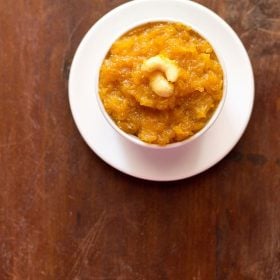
(134, 139)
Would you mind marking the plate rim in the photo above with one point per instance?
(76, 58)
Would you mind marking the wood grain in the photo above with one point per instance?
(64, 214)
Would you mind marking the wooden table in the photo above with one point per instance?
(65, 214)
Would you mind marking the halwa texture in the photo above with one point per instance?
(129, 100)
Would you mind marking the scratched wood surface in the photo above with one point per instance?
(64, 214)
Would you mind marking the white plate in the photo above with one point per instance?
(161, 165)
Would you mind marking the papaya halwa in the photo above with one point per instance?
(137, 97)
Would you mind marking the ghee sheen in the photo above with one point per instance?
(125, 89)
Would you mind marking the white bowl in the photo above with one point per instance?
(210, 122)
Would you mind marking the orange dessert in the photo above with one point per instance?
(161, 82)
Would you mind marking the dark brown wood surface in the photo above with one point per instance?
(65, 214)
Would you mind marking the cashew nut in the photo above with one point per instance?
(163, 64)
(160, 85)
